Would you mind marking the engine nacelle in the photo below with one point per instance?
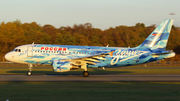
(61, 66)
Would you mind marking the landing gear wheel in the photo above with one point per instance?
(29, 73)
(85, 73)
(30, 69)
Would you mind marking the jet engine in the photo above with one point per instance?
(61, 66)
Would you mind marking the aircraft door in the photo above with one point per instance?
(30, 51)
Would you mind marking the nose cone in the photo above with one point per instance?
(13, 57)
(8, 57)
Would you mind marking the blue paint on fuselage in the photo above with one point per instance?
(46, 54)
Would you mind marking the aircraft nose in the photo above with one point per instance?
(8, 56)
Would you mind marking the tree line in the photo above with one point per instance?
(13, 34)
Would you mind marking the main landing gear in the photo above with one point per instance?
(30, 69)
(85, 73)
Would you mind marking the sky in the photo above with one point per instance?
(100, 13)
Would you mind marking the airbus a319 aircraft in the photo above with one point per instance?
(64, 58)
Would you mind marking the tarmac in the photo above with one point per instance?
(91, 78)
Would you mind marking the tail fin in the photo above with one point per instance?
(159, 37)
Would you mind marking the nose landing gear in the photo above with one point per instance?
(30, 69)
(29, 73)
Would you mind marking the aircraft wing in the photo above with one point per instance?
(92, 60)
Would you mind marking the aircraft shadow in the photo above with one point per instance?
(73, 72)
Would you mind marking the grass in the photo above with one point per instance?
(98, 71)
(89, 91)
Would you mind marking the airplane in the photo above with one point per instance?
(64, 58)
(172, 14)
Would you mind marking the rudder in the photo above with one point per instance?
(159, 37)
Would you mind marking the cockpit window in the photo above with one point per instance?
(17, 50)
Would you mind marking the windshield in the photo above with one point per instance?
(17, 50)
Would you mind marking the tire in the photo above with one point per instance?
(85, 73)
(29, 73)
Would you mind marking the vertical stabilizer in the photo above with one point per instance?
(159, 37)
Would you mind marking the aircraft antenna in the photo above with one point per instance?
(33, 44)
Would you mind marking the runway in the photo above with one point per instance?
(91, 78)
